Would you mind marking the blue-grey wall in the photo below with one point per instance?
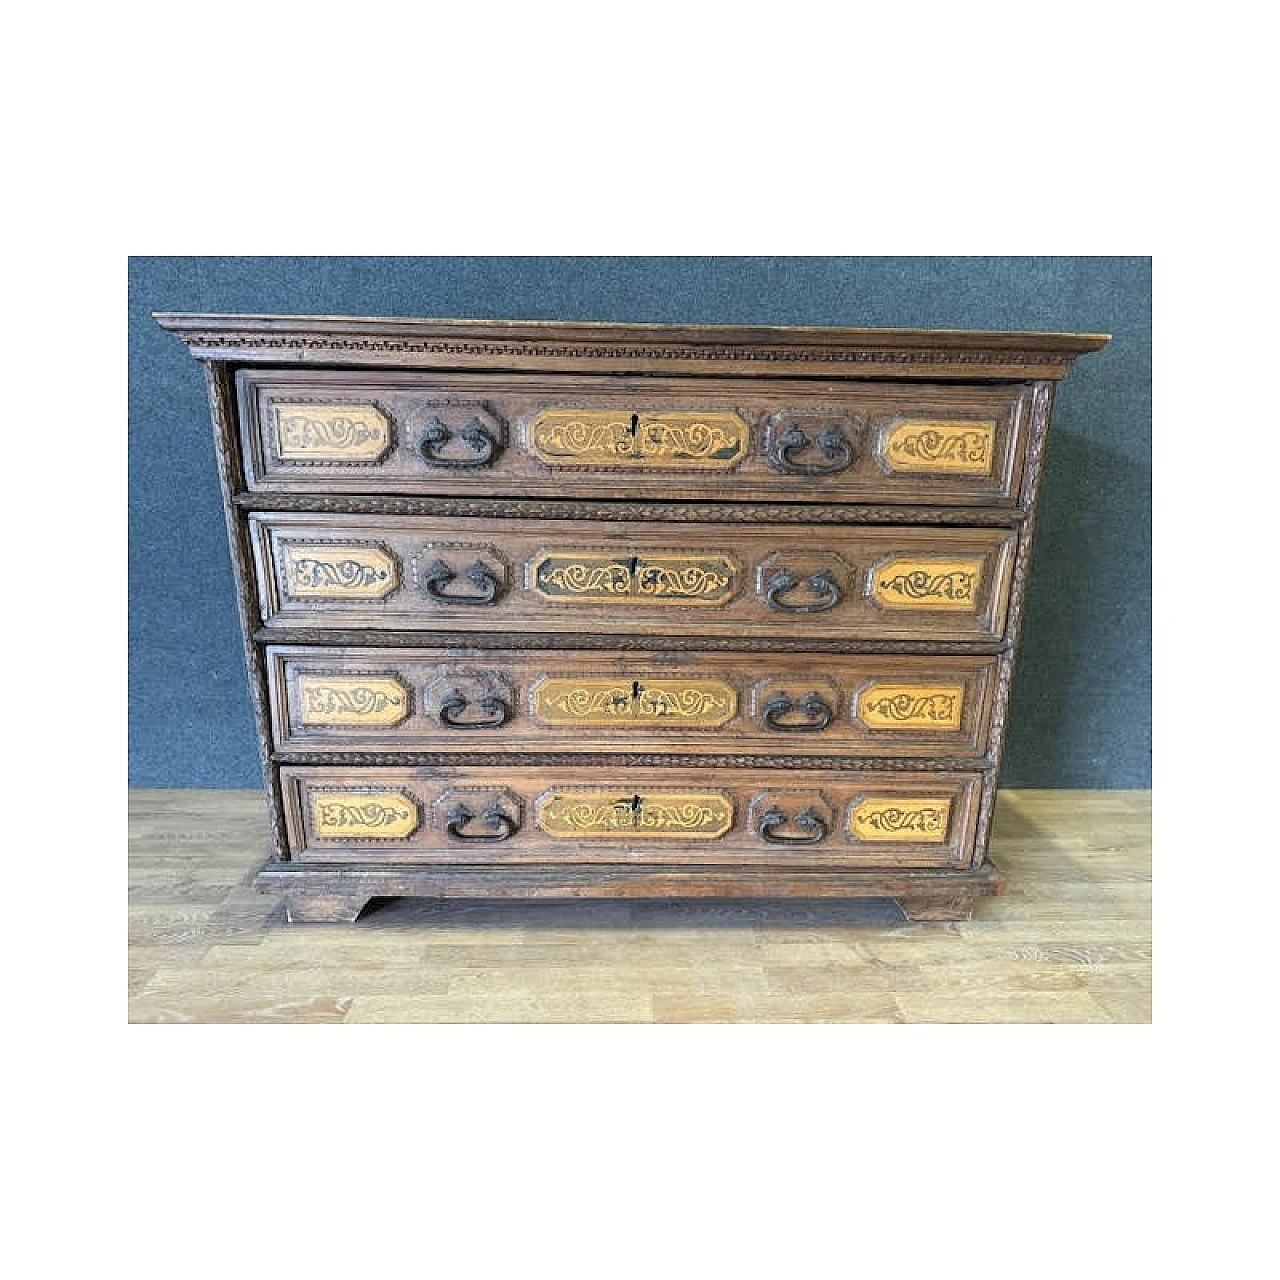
(1081, 713)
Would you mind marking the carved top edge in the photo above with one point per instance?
(538, 344)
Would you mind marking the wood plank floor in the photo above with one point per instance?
(1070, 942)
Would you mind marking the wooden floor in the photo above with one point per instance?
(1070, 942)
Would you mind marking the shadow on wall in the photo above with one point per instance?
(1081, 701)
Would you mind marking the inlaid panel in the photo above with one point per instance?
(607, 438)
(363, 701)
(573, 815)
(928, 582)
(673, 577)
(372, 431)
(901, 819)
(441, 700)
(936, 447)
(600, 701)
(347, 434)
(911, 706)
(657, 814)
(354, 813)
(337, 570)
(740, 580)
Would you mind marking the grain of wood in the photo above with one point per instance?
(1070, 942)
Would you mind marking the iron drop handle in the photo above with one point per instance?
(812, 705)
(475, 435)
(808, 820)
(823, 585)
(832, 444)
(500, 823)
(492, 705)
(439, 575)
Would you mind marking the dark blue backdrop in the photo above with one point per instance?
(1081, 713)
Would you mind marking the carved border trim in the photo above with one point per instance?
(222, 401)
(1028, 355)
(648, 642)
(1033, 470)
(629, 760)
(576, 509)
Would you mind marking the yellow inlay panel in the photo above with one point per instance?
(331, 432)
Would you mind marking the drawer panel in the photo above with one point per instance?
(580, 815)
(383, 699)
(420, 572)
(401, 433)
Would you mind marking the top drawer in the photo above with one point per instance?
(750, 440)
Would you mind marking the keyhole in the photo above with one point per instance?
(635, 423)
(635, 804)
(636, 690)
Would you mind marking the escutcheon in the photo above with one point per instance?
(940, 448)
(654, 815)
(612, 438)
(331, 432)
(900, 820)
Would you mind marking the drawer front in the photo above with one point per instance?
(418, 572)
(327, 432)
(369, 699)
(580, 815)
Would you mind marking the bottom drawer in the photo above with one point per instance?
(679, 816)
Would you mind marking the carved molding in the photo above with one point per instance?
(702, 513)
(635, 760)
(222, 407)
(871, 352)
(513, 641)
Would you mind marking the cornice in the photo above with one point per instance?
(629, 348)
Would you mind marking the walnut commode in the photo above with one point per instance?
(542, 610)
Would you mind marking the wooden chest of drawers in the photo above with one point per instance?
(567, 610)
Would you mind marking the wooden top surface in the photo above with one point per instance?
(539, 345)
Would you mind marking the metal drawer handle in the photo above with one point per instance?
(833, 444)
(502, 824)
(492, 705)
(809, 820)
(823, 585)
(475, 435)
(439, 575)
(812, 705)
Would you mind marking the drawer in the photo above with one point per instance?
(579, 815)
(330, 701)
(308, 431)
(472, 575)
